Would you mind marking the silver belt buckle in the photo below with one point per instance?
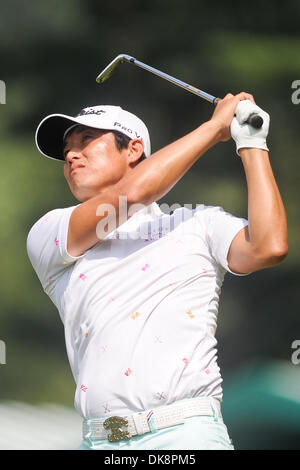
(114, 424)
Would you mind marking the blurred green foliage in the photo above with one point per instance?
(50, 55)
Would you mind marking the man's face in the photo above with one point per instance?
(92, 161)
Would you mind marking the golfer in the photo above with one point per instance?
(137, 289)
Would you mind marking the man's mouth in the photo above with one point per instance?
(76, 168)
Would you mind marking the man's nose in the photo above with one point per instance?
(73, 155)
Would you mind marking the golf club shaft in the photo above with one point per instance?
(176, 81)
(254, 120)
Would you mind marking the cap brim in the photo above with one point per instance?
(50, 132)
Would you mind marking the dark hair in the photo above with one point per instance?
(122, 142)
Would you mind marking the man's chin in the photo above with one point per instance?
(84, 194)
(82, 197)
(81, 194)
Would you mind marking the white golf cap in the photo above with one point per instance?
(52, 129)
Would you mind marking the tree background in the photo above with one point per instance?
(50, 55)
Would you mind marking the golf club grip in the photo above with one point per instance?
(255, 120)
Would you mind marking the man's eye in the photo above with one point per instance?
(87, 136)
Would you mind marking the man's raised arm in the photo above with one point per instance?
(264, 242)
(150, 180)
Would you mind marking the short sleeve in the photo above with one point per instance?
(222, 227)
(47, 246)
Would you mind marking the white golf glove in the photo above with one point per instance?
(244, 134)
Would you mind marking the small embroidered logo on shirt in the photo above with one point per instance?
(44, 220)
(160, 395)
(135, 315)
(145, 267)
(86, 335)
(83, 277)
(49, 281)
(157, 339)
(83, 388)
(185, 360)
(128, 372)
(106, 409)
(56, 241)
(207, 371)
(190, 314)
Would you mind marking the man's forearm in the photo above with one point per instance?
(266, 213)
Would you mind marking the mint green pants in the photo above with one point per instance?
(197, 433)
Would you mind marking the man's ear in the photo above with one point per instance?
(135, 150)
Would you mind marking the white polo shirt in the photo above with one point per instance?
(139, 308)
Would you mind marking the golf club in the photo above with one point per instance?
(254, 120)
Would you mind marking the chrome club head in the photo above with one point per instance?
(108, 71)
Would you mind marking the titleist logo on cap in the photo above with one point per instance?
(116, 124)
(90, 111)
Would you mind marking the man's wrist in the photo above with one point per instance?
(216, 128)
(250, 153)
